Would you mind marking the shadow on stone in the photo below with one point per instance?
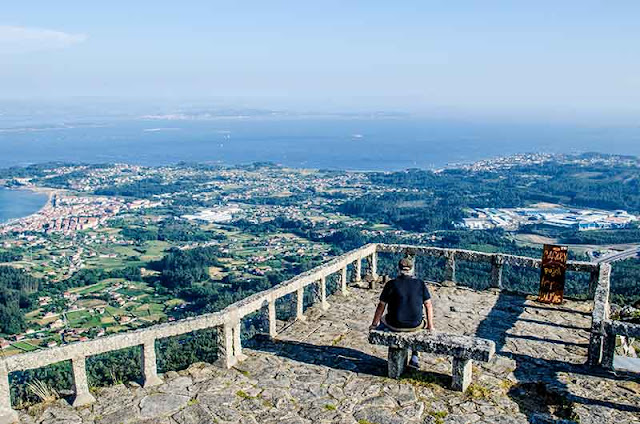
(539, 392)
(426, 378)
(558, 309)
(567, 326)
(496, 324)
(336, 357)
(541, 405)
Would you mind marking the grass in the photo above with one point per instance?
(25, 346)
(45, 393)
(91, 289)
(76, 317)
(421, 379)
(243, 395)
(337, 340)
(476, 391)
(439, 416)
(243, 372)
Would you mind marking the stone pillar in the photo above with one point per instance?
(600, 315)
(608, 350)
(343, 281)
(237, 341)
(271, 319)
(357, 270)
(149, 365)
(496, 271)
(373, 269)
(593, 282)
(80, 383)
(7, 414)
(300, 304)
(596, 342)
(226, 359)
(450, 267)
(461, 373)
(323, 294)
(397, 361)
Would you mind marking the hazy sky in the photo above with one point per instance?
(507, 57)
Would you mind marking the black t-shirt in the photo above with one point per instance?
(404, 297)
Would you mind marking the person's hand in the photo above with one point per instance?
(373, 327)
(431, 329)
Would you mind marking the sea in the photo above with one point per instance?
(19, 203)
(350, 143)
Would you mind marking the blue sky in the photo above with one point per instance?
(543, 58)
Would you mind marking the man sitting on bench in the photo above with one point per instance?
(404, 297)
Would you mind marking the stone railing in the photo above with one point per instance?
(611, 330)
(228, 321)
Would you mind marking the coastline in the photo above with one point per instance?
(50, 192)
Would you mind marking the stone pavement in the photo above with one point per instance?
(323, 370)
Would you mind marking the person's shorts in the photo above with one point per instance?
(385, 326)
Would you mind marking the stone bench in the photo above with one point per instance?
(463, 349)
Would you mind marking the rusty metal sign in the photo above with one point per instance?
(552, 273)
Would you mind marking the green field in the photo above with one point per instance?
(82, 291)
(25, 346)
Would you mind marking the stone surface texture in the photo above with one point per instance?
(324, 370)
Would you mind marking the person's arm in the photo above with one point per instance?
(429, 307)
(378, 315)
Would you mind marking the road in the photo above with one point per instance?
(618, 256)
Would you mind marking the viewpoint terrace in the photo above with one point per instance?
(552, 362)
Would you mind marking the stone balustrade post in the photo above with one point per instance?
(226, 358)
(608, 349)
(271, 319)
(593, 282)
(357, 270)
(450, 267)
(600, 315)
(80, 383)
(497, 262)
(300, 304)
(343, 281)
(237, 341)
(149, 364)
(7, 414)
(373, 269)
(323, 294)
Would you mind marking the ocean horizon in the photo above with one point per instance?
(362, 144)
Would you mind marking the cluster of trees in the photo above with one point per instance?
(169, 230)
(630, 235)
(597, 237)
(625, 278)
(10, 256)
(152, 186)
(183, 268)
(88, 276)
(409, 211)
(16, 288)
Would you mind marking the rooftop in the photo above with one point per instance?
(323, 369)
